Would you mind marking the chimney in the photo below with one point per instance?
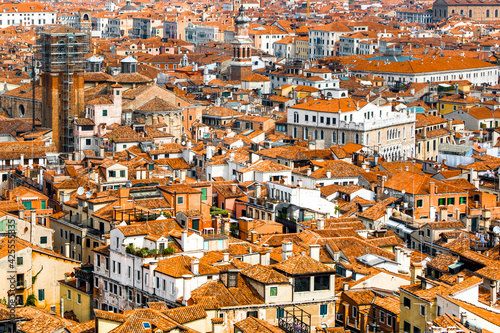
(61, 307)
(258, 189)
(186, 292)
(122, 196)
(182, 178)
(460, 278)
(286, 250)
(443, 214)
(21, 163)
(321, 224)
(225, 257)
(328, 174)
(254, 237)
(345, 286)
(101, 151)
(463, 318)
(457, 214)
(475, 182)
(493, 293)
(309, 172)
(264, 258)
(184, 240)
(407, 168)
(33, 218)
(195, 266)
(66, 250)
(314, 252)
(233, 188)
(299, 183)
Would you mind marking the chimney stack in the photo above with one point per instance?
(195, 266)
(186, 293)
(314, 251)
(345, 286)
(286, 250)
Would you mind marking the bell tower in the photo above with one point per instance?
(241, 63)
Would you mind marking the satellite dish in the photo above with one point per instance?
(128, 184)
(89, 194)
(496, 230)
(403, 191)
(80, 191)
(183, 143)
(386, 192)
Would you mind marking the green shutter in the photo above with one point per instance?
(43, 204)
(41, 294)
(3, 224)
(27, 204)
(203, 194)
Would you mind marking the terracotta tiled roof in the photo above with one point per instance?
(302, 264)
(264, 274)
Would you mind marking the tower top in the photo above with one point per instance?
(242, 18)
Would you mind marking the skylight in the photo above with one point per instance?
(146, 325)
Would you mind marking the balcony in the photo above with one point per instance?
(294, 320)
(20, 284)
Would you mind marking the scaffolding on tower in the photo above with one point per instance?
(61, 52)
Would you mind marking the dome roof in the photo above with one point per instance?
(242, 18)
(128, 7)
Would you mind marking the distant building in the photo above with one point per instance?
(27, 13)
(477, 10)
(415, 16)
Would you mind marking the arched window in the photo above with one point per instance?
(295, 117)
(306, 134)
(334, 137)
(343, 138)
(294, 133)
(322, 135)
(496, 12)
(487, 13)
(357, 138)
(22, 111)
(315, 134)
(379, 137)
(470, 13)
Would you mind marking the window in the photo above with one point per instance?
(69, 294)
(314, 119)
(273, 291)
(354, 311)
(416, 329)
(111, 173)
(441, 201)
(203, 194)
(407, 302)
(428, 232)
(451, 201)
(306, 117)
(43, 240)
(406, 327)
(280, 312)
(122, 173)
(389, 320)
(104, 113)
(382, 316)
(88, 142)
(79, 298)
(420, 203)
(439, 311)
(463, 200)
(422, 310)
(19, 261)
(322, 282)
(323, 310)
(106, 260)
(41, 295)
(180, 200)
(254, 314)
(302, 284)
